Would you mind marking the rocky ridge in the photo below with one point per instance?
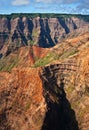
(52, 96)
(44, 32)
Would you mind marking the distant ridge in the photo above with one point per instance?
(43, 30)
(47, 15)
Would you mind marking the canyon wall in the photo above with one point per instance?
(44, 32)
(52, 97)
(66, 93)
(44, 88)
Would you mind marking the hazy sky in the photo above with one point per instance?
(44, 6)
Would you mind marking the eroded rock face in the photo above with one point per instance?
(44, 32)
(60, 115)
(52, 97)
(22, 105)
(36, 99)
(67, 94)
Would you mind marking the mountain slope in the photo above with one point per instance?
(44, 31)
(46, 89)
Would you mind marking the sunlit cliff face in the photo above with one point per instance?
(43, 32)
(45, 89)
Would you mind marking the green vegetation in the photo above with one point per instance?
(46, 60)
(68, 53)
(52, 56)
(28, 105)
(75, 104)
(35, 33)
(82, 112)
(30, 43)
(70, 89)
(7, 64)
(47, 15)
(86, 90)
(84, 17)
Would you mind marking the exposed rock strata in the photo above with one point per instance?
(67, 94)
(22, 105)
(52, 97)
(44, 32)
(56, 98)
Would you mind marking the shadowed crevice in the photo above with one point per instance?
(45, 37)
(60, 115)
(64, 25)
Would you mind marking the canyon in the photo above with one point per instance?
(21, 30)
(45, 88)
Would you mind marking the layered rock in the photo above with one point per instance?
(52, 97)
(22, 104)
(55, 97)
(67, 94)
(44, 32)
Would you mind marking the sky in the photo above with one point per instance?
(44, 6)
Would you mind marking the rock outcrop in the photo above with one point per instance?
(44, 32)
(66, 93)
(22, 105)
(51, 97)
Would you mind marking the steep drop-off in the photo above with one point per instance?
(46, 89)
(44, 32)
(22, 105)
